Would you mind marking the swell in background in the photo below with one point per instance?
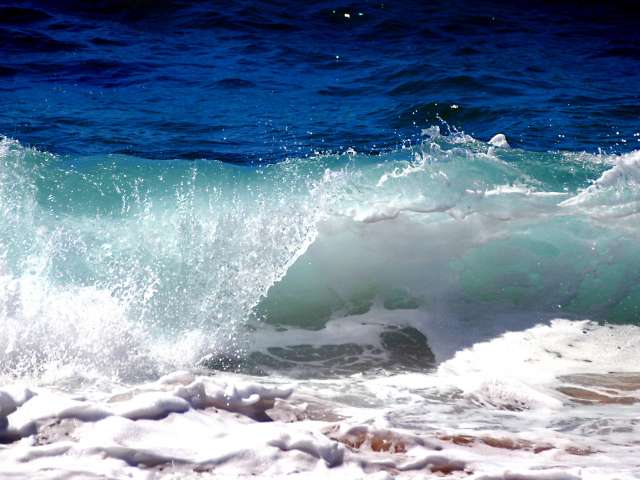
(261, 82)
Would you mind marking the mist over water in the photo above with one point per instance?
(140, 249)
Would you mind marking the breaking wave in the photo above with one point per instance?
(129, 268)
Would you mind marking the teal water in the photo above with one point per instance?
(120, 262)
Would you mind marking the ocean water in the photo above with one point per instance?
(262, 81)
(405, 233)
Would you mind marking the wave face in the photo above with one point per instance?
(125, 267)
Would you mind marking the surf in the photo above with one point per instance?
(137, 267)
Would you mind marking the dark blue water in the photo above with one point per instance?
(261, 81)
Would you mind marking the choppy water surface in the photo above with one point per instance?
(267, 80)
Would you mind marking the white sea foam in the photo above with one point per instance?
(510, 421)
(616, 194)
(499, 140)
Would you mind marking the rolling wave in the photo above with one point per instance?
(128, 267)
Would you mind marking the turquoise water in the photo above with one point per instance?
(452, 228)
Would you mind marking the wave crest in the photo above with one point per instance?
(166, 253)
